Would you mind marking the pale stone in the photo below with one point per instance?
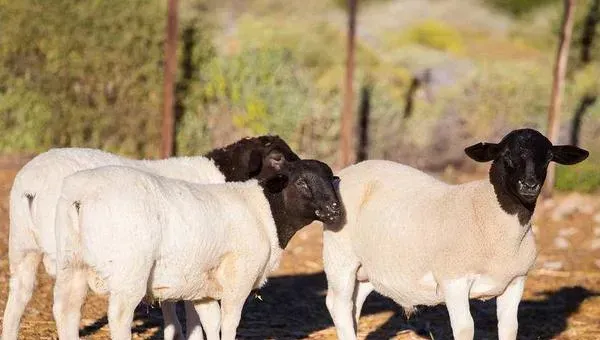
(561, 243)
(566, 232)
(553, 265)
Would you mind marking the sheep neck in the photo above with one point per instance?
(286, 225)
(509, 201)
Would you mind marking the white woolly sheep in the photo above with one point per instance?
(35, 192)
(420, 241)
(133, 234)
(33, 204)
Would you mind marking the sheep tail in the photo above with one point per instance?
(68, 231)
(25, 212)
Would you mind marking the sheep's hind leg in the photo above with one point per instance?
(209, 313)
(456, 296)
(172, 327)
(70, 291)
(23, 267)
(231, 313)
(121, 307)
(361, 291)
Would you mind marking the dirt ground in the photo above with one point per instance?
(562, 297)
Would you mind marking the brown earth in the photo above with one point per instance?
(562, 297)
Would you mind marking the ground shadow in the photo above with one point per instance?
(146, 317)
(293, 307)
(541, 318)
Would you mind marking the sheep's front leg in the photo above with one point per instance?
(340, 301)
(340, 267)
(209, 312)
(507, 307)
(171, 323)
(362, 290)
(456, 296)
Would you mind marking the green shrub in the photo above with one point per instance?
(262, 89)
(432, 34)
(505, 94)
(584, 177)
(24, 118)
(88, 72)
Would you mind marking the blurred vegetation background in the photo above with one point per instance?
(89, 73)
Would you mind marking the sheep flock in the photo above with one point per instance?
(208, 230)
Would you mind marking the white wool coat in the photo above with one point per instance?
(408, 232)
(176, 239)
(37, 186)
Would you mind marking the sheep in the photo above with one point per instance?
(35, 192)
(133, 234)
(420, 241)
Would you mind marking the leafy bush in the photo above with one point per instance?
(88, 72)
(433, 34)
(24, 116)
(583, 177)
(262, 89)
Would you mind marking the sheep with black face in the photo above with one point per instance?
(420, 241)
(37, 186)
(133, 234)
(519, 168)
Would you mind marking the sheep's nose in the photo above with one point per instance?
(333, 209)
(330, 212)
(529, 185)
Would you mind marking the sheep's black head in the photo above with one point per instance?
(302, 192)
(252, 157)
(520, 161)
(269, 155)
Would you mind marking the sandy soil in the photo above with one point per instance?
(562, 298)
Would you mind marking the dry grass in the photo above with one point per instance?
(557, 304)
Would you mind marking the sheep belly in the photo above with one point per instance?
(426, 290)
(408, 290)
(189, 286)
(193, 281)
(485, 287)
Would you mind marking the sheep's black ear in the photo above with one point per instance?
(483, 152)
(275, 160)
(276, 183)
(255, 162)
(568, 154)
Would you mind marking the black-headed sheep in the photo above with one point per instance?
(420, 241)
